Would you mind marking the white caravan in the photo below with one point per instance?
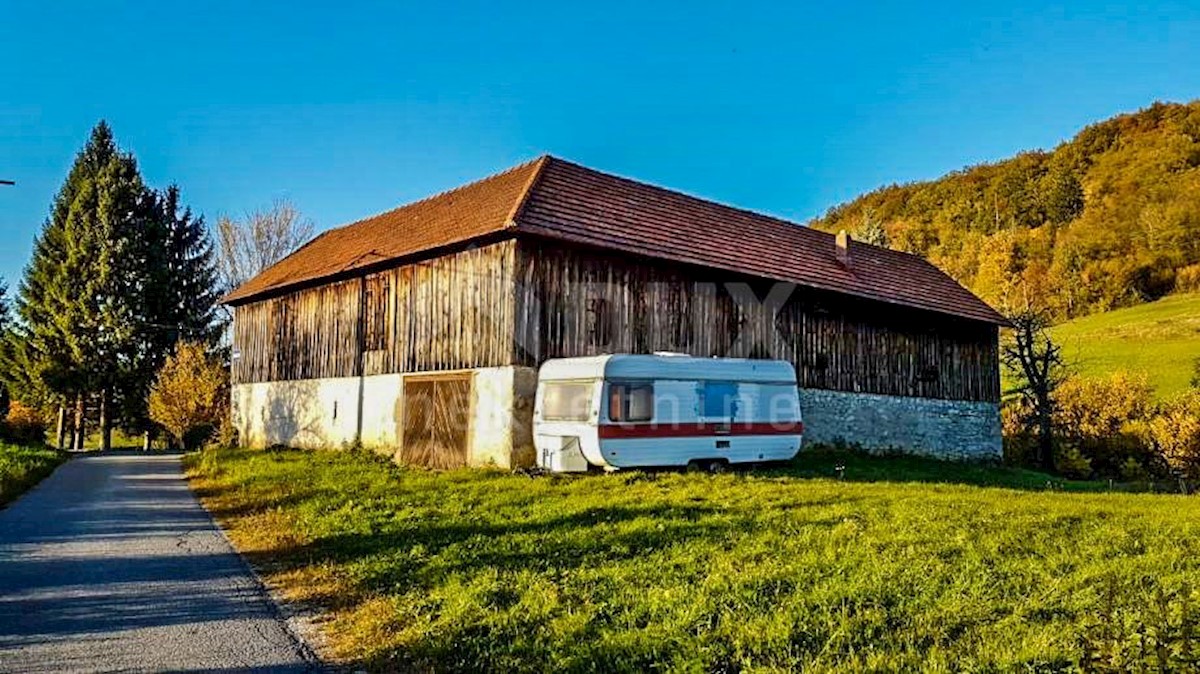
(625, 411)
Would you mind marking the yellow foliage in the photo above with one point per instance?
(1096, 409)
(190, 392)
(1187, 279)
(1110, 218)
(20, 414)
(1175, 432)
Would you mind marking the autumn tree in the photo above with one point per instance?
(263, 237)
(190, 394)
(1037, 363)
(1107, 219)
(1175, 432)
(871, 230)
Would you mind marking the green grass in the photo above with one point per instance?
(23, 466)
(770, 571)
(1160, 339)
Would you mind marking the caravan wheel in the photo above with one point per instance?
(695, 466)
(718, 467)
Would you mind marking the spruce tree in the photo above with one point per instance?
(78, 300)
(179, 298)
(119, 274)
(46, 289)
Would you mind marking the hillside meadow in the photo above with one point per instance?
(1160, 339)
(905, 564)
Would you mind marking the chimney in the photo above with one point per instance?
(843, 248)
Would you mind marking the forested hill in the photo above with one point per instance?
(1109, 218)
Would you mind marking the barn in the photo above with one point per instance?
(418, 332)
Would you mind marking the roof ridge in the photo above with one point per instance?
(443, 193)
(740, 209)
(540, 165)
(681, 193)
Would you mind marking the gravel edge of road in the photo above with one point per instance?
(298, 620)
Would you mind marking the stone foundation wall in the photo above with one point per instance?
(946, 429)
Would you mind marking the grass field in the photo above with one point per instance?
(22, 466)
(1160, 339)
(770, 571)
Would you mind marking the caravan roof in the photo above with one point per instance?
(660, 366)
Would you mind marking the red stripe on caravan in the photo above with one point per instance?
(628, 431)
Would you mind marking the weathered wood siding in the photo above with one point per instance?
(446, 313)
(523, 302)
(309, 334)
(573, 302)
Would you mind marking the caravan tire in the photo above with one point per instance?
(718, 467)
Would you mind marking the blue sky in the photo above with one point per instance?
(352, 108)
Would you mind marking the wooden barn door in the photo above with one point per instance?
(437, 420)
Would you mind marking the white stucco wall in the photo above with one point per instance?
(309, 413)
(490, 437)
(323, 413)
(382, 412)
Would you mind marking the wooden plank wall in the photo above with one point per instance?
(523, 303)
(310, 334)
(447, 313)
(572, 302)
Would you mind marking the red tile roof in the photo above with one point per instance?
(558, 199)
(455, 216)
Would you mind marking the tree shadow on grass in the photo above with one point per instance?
(903, 468)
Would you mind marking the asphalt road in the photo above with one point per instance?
(112, 565)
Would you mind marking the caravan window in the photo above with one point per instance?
(567, 401)
(631, 402)
(719, 399)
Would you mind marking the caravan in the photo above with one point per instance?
(626, 411)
